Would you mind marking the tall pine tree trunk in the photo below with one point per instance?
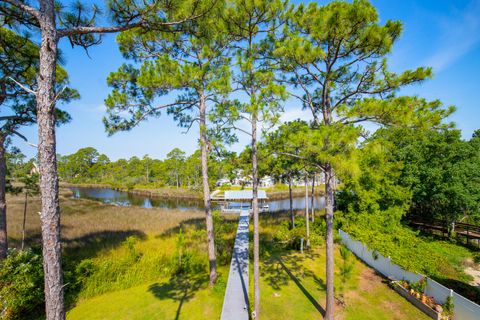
(50, 215)
(292, 214)
(307, 224)
(206, 192)
(329, 198)
(313, 198)
(3, 203)
(256, 235)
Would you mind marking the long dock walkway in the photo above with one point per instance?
(235, 303)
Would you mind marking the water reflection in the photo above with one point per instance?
(122, 198)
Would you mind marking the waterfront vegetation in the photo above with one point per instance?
(135, 263)
(225, 68)
(123, 267)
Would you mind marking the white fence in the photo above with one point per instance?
(464, 308)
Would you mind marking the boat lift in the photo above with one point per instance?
(234, 201)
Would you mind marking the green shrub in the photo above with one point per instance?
(419, 286)
(448, 307)
(225, 232)
(288, 238)
(21, 285)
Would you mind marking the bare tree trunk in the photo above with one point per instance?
(3, 203)
(256, 235)
(313, 198)
(329, 198)
(50, 215)
(24, 220)
(206, 192)
(292, 214)
(306, 211)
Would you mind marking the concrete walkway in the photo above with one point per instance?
(235, 303)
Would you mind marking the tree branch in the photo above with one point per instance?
(112, 29)
(24, 7)
(23, 87)
(20, 135)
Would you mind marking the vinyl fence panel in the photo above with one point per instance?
(464, 308)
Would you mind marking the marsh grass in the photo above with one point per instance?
(134, 263)
(86, 220)
(108, 248)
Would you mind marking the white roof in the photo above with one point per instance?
(244, 194)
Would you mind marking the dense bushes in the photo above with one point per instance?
(21, 285)
(225, 232)
(135, 262)
(406, 247)
(290, 238)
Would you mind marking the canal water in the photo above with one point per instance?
(122, 198)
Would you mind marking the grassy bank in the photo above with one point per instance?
(134, 263)
(91, 222)
(292, 287)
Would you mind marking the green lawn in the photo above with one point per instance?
(128, 268)
(177, 299)
(292, 287)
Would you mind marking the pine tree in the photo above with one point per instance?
(54, 22)
(335, 59)
(20, 59)
(192, 66)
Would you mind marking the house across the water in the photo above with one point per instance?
(236, 200)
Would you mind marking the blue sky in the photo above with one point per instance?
(443, 34)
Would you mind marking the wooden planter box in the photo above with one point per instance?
(416, 302)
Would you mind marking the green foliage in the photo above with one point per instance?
(419, 286)
(287, 237)
(21, 285)
(402, 169)
(225, 232)
(375, 191)
(254, 72)
(449, 307)
(183, 261)
(30, 184)
(20, 58)
(282, 150)
(336, 54)
(189, 68)
(127, 268)
(441, 169)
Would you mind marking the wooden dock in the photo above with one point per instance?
(235, 303)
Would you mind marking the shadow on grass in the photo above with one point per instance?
(90, 244)
(278, 274)
(86, 246)
(195, 223)
(179, 288)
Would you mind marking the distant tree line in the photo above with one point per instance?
(177, 170)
